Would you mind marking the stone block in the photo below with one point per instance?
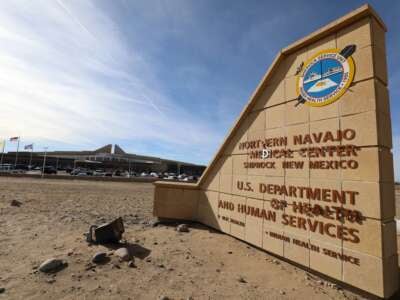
(291, 88)
(296, 114)
(373, 274)
(325, 112)
(275, 116)
(254, 224)
(273, 94)
(272, 240)
(224, 214)
(324, 258)
(238, 219)
(328, 42)
(207, 211)
(359, 97)
(238, 164)
(296, 249)
(358, 34)
(364, 70)
(225, 184)
(296, 130)
(175, 203)
(373, 200)
(257, 121)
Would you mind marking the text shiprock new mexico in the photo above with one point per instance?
(306, 172)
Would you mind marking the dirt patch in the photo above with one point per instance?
(203, 264)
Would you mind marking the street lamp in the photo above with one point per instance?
(44, 160)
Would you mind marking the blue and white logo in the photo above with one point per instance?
(325, 77)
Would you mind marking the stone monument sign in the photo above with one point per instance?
(306, 172)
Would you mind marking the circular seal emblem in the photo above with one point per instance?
(325, 77)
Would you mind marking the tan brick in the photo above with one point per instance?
(384, 130)
(238, 164)
(374, 275)
(296, 182)
(380, 64)
(359, 97)
(257, 121)
(275, 116)
(291, 131)
(253, 190)
(370, 233)
(358, 33)
(175, 203)
(297, 167)
(273, 181)
(225, 184)
(270, 243)
(323, 126)
(296, 114)
(382, 98)
(324, 170)
(370, 162)
(324, 112)
(290, 88)
(365, 125)
(238, 137)
(322, 260)
(226, 165)
(293, 61)
(273, 94)
(295, 252)
(224, 224)
(238, 184)
(254, 224)
(211, 182)
(372, 200)
(378, 35)
(364, 70)
(326, 43)
(207, 212)
(237, 230)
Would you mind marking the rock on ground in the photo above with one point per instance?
(51, 264)
(122, 253)
(99, 257)
(182, 228)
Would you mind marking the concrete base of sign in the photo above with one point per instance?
(325, 199)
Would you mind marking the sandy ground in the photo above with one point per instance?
(202, 264)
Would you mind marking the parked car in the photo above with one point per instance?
(49, 170)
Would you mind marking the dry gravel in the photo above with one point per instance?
(202, 264)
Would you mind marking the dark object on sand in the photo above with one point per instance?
(15, 203)
(106, 233)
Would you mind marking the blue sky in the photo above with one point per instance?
(164, 78)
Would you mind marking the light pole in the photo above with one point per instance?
(44, 160)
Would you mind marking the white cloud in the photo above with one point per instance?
(67, 75)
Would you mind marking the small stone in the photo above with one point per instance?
(160, 266)
(15, 203)
(116, 266)
(182, 228)
(123, 254)
(190, 298)
(275, 261)
(131, 264)
(163, 298)
(230, 252)
(2, 290)
(70, 252)
(99, 257)
(282, 292)
(50, 265)
(50, 280)
(241, 279)
(148, 259)
(218, 270)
